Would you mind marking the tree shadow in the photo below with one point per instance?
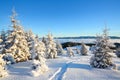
(82, 66)
(22, 71)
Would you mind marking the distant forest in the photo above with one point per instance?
(85, 37)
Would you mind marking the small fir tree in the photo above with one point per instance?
(30, 37)
(83, 49)
(40, 49)
(51, 51)
(60, 50)
(70, 51)
(39, 66)
(102, 58)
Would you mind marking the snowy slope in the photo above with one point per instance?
(65, 68)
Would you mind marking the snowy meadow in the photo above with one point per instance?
(63, 67)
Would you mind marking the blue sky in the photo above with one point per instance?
(63, 17)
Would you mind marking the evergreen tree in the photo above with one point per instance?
(7, 57)
(60, 50)
(3, 72)
(39, 66)
(83, 49)
(102, 58)
(36, 46)
(16, 43)
(51, 47)
(40, 48)
(2, 42)
(70, 51)
(30, 37)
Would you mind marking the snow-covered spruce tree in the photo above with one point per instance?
(2, 42)
(3, 71)
(30, 37)
(70, 51)
(102, 58)
(51, 51)
(83, 49)
(39, 66)
(60, 50)
(35, 45)
(16, 44)
(40, 48)
(7, 57)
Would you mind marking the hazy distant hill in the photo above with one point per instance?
(85, 37)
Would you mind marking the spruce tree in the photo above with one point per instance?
(39, 66)
(2, 42)
(60, 50)
(51, 51)
(16, 43)
(7, 57)
(30, 37)
(70, 51)
(40, 48)
(83, 49)
(102, 58)
(3, 71)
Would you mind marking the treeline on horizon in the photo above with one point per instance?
(85, 37)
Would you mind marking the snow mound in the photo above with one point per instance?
(38, 68)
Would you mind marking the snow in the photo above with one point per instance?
(65, 68)
(86, 40)
(38, 68)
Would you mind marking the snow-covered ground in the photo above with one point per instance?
(65, 68)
